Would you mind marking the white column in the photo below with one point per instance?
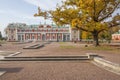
(70, 31)
(16, 35)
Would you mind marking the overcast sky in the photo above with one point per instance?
(22, 11)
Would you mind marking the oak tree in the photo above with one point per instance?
(87, 15)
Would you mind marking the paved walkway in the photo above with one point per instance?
(60, 48)
(62, 70)
(54, 71)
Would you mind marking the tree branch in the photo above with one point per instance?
(101, 30)
(114, 25)
(109, 13)
(102, 9)
(80, 28)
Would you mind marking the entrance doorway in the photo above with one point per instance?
(66, 37)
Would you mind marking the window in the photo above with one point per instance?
(27, 37)
(53, 37)
(19, 37)
(38, 37)
(59, 37)
(22, 37)
(32, 37)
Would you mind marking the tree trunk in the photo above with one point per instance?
(95, 37)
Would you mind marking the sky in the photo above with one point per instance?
(22, 11)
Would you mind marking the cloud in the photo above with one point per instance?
(14, 15)
(44, 4)
(1, 12)
(35, 3)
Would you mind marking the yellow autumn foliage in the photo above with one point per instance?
(87, 15)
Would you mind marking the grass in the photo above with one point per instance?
(64, 45)
(62, 42)
(2, 42)
(101, 48)
(67, 47)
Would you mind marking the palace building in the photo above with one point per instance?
(23, 32)
(116, 36)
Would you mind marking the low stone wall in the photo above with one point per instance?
(107, 65)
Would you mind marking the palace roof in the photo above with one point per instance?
(24, 26)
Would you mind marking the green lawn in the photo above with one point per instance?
(62, 43)
(2, 42)
(67, 47)
(102, 48)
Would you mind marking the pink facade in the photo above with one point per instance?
(38, 33)
(116, 37)
(23, 32)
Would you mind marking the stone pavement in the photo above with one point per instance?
(62, 70)
(55, 49)
(55, 71)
